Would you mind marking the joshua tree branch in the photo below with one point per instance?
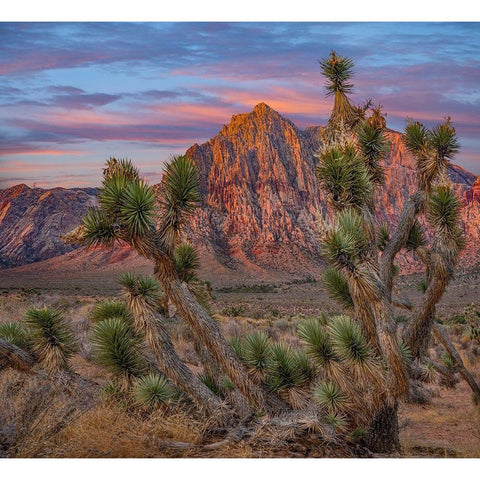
(399, 237)
(15, 357)
(442, 336)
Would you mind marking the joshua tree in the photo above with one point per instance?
(128, 213)
(142, 296)
(350, 171)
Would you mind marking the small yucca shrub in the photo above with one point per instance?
(283, 370)
(256, 352)
(15, 334)
(314, 336)
(116, 347)
(53, 342)
(111, 309)
(153, 390)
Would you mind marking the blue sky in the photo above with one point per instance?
(72, 94)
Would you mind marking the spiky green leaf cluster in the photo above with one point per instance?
(187, 262)
(180, 196)
(314, 336)
(345, 178)
(443, 209)
(116, 347)
(443, 139)
(126, 206)
(416, 238)
(346, 241)
(329, 395)
(383, 236)
(141, 287)
(337, 71)
(14, 333)
(153, 390)
(348, 341)
(337, 287)
(374, 146)
(111, 309)
(52, 339)
(256, 352)
(283, 370)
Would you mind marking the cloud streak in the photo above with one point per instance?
(78, 91)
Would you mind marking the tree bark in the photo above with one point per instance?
(15, 357)
(383, 433)
(399, 238)
(210, 334)
(158, 340)
(442, 336)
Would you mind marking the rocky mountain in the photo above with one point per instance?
(32, 220)
(261, 203)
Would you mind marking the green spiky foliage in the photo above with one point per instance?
(383, 236)
(337, 287)
(338, 72)
(14, 333)
(256, 352)
(330, 397)
(316, 341)
(422, 286)
(345, 177)
(110, 309)
(52, 340)
(432, 149)
(416, 238)
(153, 390)
(406, 353)
(187, 262)
(127, 206)
(346, 242)
(179, 197)
(283, 370)
(348, 341)
(374, 146)
(116, 347)
(142, 288)
(443, 210)
(448, 360)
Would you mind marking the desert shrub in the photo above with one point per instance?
(14, 333)
(153, 390)
(52, 340)
(233, 311)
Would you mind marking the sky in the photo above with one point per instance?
(74, 94)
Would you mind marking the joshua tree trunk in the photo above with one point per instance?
(382, 434)
(176, 371)
(210, 334)
(15, 357)
(442, 336)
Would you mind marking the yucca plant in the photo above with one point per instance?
(52, 340)
(142, 295)
(152, 390)
(330, 397)
(116, 347)
(111, 309)
(14, 333)
(131, 212)
(256, 352)
(316, 340)
(349, 170)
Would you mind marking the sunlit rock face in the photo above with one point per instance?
(262, 205)
(262, 208)
(32, 220)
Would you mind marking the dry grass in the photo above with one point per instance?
(45, 417)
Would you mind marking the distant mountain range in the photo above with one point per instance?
(260, 212)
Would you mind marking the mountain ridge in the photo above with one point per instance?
(261, 203)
